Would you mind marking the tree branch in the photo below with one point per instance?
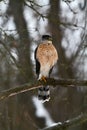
(7, 49)
(36, 11)
(69, 123)
(36, 84)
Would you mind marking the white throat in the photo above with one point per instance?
(47, 41)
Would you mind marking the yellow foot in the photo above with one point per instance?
(43, 79)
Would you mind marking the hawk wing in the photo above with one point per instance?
(37, 63)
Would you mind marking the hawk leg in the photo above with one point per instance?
(43, 79)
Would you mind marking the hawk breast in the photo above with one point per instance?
(46, 54)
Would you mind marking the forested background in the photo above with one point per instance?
(22, 23)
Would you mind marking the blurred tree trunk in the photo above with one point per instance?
(16, 8)
(23, 119)
(65, 68)
(57, 32)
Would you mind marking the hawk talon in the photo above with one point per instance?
(43, 79)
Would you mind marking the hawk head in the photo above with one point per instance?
(47, 37)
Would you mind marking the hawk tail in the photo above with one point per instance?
(44, 93)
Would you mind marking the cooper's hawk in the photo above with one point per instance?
(46, 57)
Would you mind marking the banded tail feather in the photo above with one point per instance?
(44, 93)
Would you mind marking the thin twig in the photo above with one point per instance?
(68, 4)
(30, 6)
(12, 57)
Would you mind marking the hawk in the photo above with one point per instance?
(46, 57)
